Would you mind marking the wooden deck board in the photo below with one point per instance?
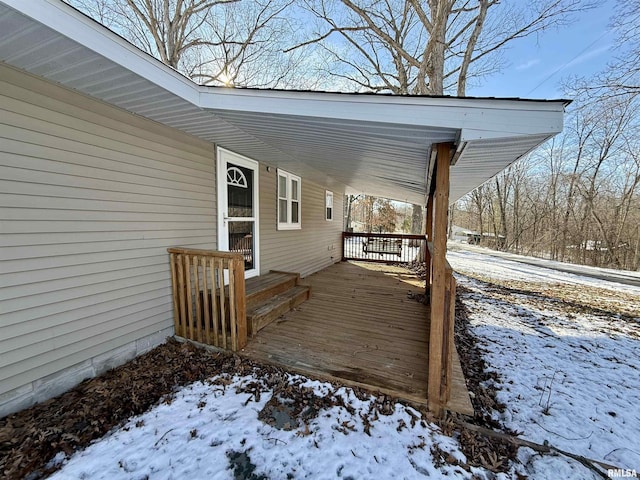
(359, 327)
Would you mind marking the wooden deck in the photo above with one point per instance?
(359, 327)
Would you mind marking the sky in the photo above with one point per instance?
(538, 64)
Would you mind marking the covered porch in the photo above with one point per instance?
(356, 322)
(360, 327)
(407, 349)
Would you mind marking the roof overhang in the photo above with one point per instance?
(375, 144)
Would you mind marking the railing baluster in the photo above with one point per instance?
(196, 279)
(241, 304)
(223, 316)
(205, 301)
(174, 288)
(187, 269)
(232, 306)
(215, 315)
(181, 293)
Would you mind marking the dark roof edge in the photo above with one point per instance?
(565, 101)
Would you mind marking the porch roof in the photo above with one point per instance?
(375, 144)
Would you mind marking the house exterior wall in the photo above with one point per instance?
(90, 199)
(315, 246)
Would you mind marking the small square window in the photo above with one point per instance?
(328, 203)
(289, 199)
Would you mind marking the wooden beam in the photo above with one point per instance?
(439, 279)
(429, 237)
(429, 219)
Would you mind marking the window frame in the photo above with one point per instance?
(290, 200)
(328, 195)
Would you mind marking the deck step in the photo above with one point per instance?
(264, 313)
(262, 288)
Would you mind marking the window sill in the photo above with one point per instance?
(289, 226)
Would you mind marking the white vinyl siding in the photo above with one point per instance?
(304, 251)
(289, 201)
(91, 197)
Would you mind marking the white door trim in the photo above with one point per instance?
(223, 156)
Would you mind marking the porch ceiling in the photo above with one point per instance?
(374, 144)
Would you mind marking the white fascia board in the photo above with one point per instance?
(470, 135)
(74, 25)
(488, 118)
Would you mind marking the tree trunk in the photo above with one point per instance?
(417, 225)
(452, 210)
(416, 220)
(349, 201)
(502, 204)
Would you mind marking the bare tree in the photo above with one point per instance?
(426, 47)
(166, 29)
(348, 205)
(623, 75)
(414, 47)
(614, 127)
(248, 50)
(223, 42)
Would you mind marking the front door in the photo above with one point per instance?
(238, 208)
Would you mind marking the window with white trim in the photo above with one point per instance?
(289, 201)
(328, 205)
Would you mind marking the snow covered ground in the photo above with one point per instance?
(567, 375)
(570, 376)
(213, 431)
(584, 273)
(471, 258)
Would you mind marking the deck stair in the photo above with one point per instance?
(272, 295)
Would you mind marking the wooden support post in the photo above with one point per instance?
(429, 237)
(429, 219)
(439, 278)
(450, 336)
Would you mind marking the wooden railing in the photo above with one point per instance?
(383, 247)
(204, 309)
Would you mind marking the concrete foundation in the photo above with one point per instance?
(60, 382)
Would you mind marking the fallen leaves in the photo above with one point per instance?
(30, 438)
